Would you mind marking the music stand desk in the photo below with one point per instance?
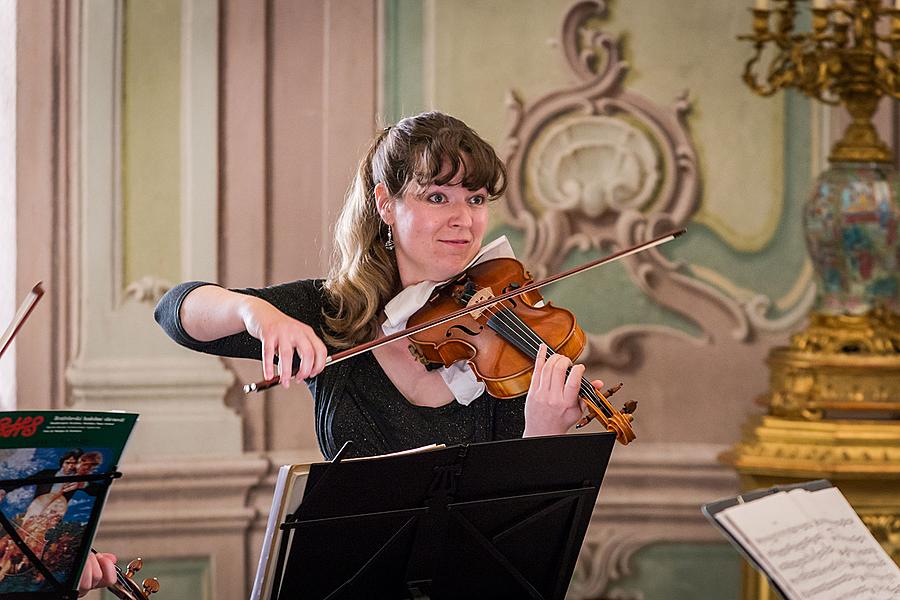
(502, 519)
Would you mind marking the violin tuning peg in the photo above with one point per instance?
(629, 407)
(613, 389)
(150, 585)
(133, 567)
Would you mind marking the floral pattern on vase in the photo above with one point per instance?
(851, 232)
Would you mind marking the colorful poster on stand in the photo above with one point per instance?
(42, 456)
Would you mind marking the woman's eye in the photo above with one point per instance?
(436, 198)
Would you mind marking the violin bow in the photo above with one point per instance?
(377, 343)
(31, 300)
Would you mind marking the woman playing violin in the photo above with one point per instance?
(416, 212)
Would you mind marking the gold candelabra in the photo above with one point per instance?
(850, 56)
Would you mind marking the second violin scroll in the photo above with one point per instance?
(127, 589)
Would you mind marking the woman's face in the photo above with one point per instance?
(437, 231)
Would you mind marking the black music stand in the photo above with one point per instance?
(490, 520)
(62, 590)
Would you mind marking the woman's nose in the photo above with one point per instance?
(462, 215)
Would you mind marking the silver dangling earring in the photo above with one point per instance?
(389, 243)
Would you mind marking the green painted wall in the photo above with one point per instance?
(682, 572)
(402, 87)
(151, 152)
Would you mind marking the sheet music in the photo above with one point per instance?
(865, 559)
(772, 526)
(811, 547)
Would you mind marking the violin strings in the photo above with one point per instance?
(529, 339)
(585, 386)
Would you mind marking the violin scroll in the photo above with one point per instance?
(629, 407)
(125, 586)
(619, 422)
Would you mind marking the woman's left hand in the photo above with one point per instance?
(553, 404)
(99, 572)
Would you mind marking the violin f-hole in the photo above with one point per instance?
(464, 329)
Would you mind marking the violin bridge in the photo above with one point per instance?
(479, 296)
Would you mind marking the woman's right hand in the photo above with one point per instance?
(282, 336)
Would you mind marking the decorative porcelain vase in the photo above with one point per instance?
(851, 223)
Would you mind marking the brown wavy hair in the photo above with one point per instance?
(414, 152)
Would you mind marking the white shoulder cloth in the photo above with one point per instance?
(459, 377)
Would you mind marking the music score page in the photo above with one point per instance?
(814, 546)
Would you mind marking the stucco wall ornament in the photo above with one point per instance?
(594, 150)
(147, 289)
(592, 164)
(596, 166)
(604, 558)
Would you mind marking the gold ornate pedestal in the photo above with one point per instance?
(834, 413)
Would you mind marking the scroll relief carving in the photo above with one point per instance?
(147, 289)
(596, 166)
(607, 556)
(603, 561)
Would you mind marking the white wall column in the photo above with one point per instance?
(7, 194)
(123, 360)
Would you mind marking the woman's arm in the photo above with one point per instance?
(245, 323)
(210, 312)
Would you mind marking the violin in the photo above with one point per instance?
(500, 342)
(466, 311)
